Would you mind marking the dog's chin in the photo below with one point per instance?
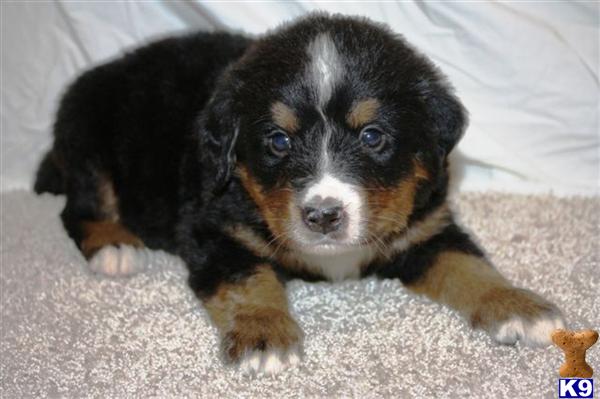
(327, 246)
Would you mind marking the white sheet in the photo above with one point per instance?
(527, 72)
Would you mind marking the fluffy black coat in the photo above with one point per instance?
(171, 142)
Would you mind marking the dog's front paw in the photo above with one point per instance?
(263, 341)
(121, 261)
(513, 314)
(270, 361)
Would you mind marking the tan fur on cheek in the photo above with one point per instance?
(274, 205)
(391, 207)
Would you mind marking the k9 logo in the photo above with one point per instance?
(575, 388)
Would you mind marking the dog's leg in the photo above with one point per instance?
(246, 301)
(255, 325)
(91, 217)
(451, 270)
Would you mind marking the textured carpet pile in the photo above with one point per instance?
(68, 333)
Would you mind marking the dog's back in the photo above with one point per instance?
(121, 129)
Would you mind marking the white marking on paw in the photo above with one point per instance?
(535, 332)
(269, 362)
(119, 261)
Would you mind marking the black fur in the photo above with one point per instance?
(133, 120)
(169, 123)
(49, 177)
(412, 264)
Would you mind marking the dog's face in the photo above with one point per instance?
(338, 129)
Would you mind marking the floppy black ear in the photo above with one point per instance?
(219, 129)
(448, 117)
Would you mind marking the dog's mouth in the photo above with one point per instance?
(325, 244)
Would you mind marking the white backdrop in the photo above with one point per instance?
(528, 73)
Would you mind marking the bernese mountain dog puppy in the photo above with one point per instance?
(317, 151)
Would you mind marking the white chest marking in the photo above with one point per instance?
(340, 266)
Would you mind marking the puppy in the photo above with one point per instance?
(318, 151)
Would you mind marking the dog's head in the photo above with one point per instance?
(338, 130)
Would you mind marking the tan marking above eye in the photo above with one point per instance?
(362, 112)
(285, 117)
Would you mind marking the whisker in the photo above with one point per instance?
(280, 246)
(272, 241)
(379, 245)
(390, 219)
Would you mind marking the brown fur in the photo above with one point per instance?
(252, 314)
(383, 222)
(103, 233)
(274, 205)
(391, 207)
(501, 302)
(472, 286)
(362, 113)
(285, 117)
(461, 281)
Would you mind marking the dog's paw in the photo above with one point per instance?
(536, 332)
(121, 261)
(270, 361)
(263, 341)
(513, 314)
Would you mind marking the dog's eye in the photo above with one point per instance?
(372, 138)
(279, 144)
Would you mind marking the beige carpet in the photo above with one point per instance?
(67, 333)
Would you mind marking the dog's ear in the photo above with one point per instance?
(448, 118)
(219, 128)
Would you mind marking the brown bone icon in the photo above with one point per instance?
(574, 344)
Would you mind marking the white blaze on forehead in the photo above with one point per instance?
(329, 186)
(325, 68)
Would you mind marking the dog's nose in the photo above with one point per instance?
(323, 219)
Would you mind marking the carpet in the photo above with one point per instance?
(68, 333)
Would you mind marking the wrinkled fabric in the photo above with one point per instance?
(527, 72)
(68, 333)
